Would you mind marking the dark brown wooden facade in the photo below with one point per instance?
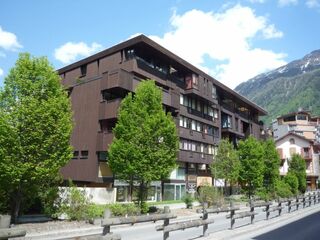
(205, 110)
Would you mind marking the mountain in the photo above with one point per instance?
(287, 88)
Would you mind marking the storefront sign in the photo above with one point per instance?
(204, 181)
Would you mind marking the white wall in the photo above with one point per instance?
(285, 145)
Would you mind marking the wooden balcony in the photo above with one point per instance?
(195, 157)
(109, 109)
(103, 141)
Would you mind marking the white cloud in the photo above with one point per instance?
(70, 51)
(1, 72)
(312, 3)
(283, 3)
(225, 38)
(271, 32)
(9, 41)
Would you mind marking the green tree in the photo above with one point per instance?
(36, 125)
(272, 164)
(292, 180)
(226, 164)
(145, 143)
(251, 165)
(297, 166)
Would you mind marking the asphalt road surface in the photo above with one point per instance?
(307, 228)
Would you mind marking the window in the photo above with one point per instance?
(292, 151)
(181, 99)
(301, 117)
(215, 113)
(75, 155)
(84, 154)
(214, 92)
(210, 111)
(195, 80)
(193, 124)
(292, 141)
(198, 127)
(181, 144)
(102, 156)
(226, 121)
(193, 104)
(83, 70)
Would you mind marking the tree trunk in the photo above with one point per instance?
(130, 190)
(231, 188)
(16, 203)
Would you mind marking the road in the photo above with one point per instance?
(303, 229)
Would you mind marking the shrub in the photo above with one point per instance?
(73, 202)
(118, 209)
(263, 194)
(188, 200)
(95, 211)
(283, 189)
(210, 195)
(133, 209)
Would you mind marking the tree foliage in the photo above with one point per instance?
(297, 166)
(252, 165)
(145, 143)
(226, 164)
(272, 163)
(292, 180)
(35, 129)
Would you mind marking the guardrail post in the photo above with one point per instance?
(310, 199)
(204, 217)
(106, 215)
(279, 205)
(267, 212)
(289, 205)
(166, 223)
(232, 212)
(314, 198)
(252, 210)
(304, 201)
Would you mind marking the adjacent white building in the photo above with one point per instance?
(292, 143)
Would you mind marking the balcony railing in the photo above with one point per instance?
(199, 114)
(144, 65)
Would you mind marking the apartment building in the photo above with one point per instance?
(292, 143)
(300, 123)
(204, 109)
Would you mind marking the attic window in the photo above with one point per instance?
(292, 141)
(83, 69)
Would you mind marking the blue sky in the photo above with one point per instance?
(231, 40)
